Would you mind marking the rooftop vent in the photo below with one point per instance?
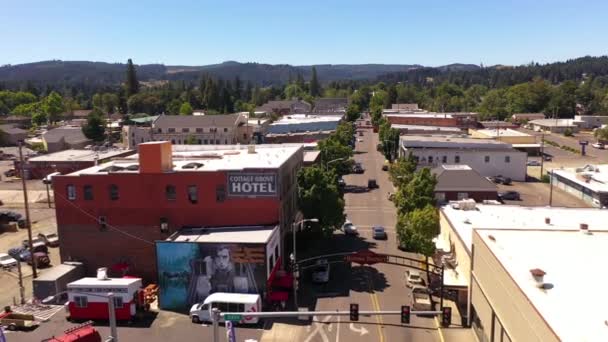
(547, 220)
(584, 228)
(539, 276)
(102, 273)
(251, 149)
(134, 167)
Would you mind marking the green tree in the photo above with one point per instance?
(190, 140)
(402, 170)
(344, 133)
(185, 109)
(494, 105)
(352, 113)
(416, 230)
(131, 84)
(319, 197)
(332, 150)
(601, 134)
(39, 118)
(293, 91)
(379, 99)
(94, 128)
(315, 87)
(417, 193)
(109, 102)
(52, 106)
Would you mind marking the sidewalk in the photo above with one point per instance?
(455, 333)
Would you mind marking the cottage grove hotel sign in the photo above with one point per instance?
(252, 184)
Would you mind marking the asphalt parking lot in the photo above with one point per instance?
(537, 194)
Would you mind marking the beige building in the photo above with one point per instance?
(192, 129)
(508, 135)
(489, 250)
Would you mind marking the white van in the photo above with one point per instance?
(227, 302)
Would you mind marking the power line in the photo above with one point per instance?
(107, 224)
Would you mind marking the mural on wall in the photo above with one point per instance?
(189, 272)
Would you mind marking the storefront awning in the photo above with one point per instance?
(443, 245)
(455, 277)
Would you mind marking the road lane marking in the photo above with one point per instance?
(319, 329)
(439, 329)
(376, 307)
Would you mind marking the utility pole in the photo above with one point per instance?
(550, 188)
(542, 154)
(21, 289)
(28, 223)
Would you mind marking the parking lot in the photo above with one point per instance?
(537, 194)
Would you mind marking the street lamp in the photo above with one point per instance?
(112, 312)
(293, 256)
(333, 161)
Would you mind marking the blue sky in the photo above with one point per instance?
(428, 32)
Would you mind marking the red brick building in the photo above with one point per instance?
(460, 120)
(110, 215)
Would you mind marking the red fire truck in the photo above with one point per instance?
(87, 298)
(81, 333)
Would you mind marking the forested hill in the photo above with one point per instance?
(500, 76)
(79, 73)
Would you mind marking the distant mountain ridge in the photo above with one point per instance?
(100, 73)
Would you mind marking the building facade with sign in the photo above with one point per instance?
(111, 215)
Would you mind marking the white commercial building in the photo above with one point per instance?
(589, 183)
(590, 121)
(486, 156)
(496, 307)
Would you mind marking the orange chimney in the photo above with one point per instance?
(155, 157)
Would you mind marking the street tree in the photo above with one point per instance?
(332, 150)
(402, 170)
(39, 118)
(52, 106)
(352, 113)
(94, 128)
(131, 84)
(601, 133)
(417, 193)
(185, 109)
(416, 230)
(319, 197)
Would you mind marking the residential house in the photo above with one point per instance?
(64, 138)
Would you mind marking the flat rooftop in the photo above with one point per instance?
(553, 122)
(420, 115)
(593, 177)
(92, 281)
(305, 118)
(502, 133)
(257, 234)
(202, 158)
(521, 218)
(427, 128)
(572, 262)
(80, 155)
(444, 141)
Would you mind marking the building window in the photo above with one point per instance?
(185, 130)
(220, 193)
(457, 159)
(430, 159)
(88, 192)
(170, 192)
(217, 141)
(225, 141)
(205, 141)
(463, 195)
(276, 251)
(444, 159)
(81, 301)
(200, 141)
(71, 189)
(199, 130)
(192, 194)
(225, 129)
(118, 304)
(171, 130)
(102, 223)
(486, 159)
(164, 224)
(173, 141)
(113, 189)
(245, 136)
(160, 130)
(507, 159)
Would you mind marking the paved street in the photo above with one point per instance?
(380, 287)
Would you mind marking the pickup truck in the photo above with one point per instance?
(13, 321)
(421, 299)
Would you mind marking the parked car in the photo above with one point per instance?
(10, 173)
(7, 216)
(509, 195)
(358, 168)
(37, 242)
(321, 271)
(41, 259)
(341, 182)
(371, 184)
(349, 228)
(19, 253)
(379, 233)
(421, 299)
(49, 178)
(598, 145)
(7, 261)
(413, 278)
(500, 180)
(547, 157)
(533, 163)
(51, 239)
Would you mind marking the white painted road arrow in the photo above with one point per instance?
(362, 331)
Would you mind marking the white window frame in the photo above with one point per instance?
(71, 189)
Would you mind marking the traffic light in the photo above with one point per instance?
(354, 312)
(405, 314)
(446, 316)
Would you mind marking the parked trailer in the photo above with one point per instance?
(56, 280)
(13, 321)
